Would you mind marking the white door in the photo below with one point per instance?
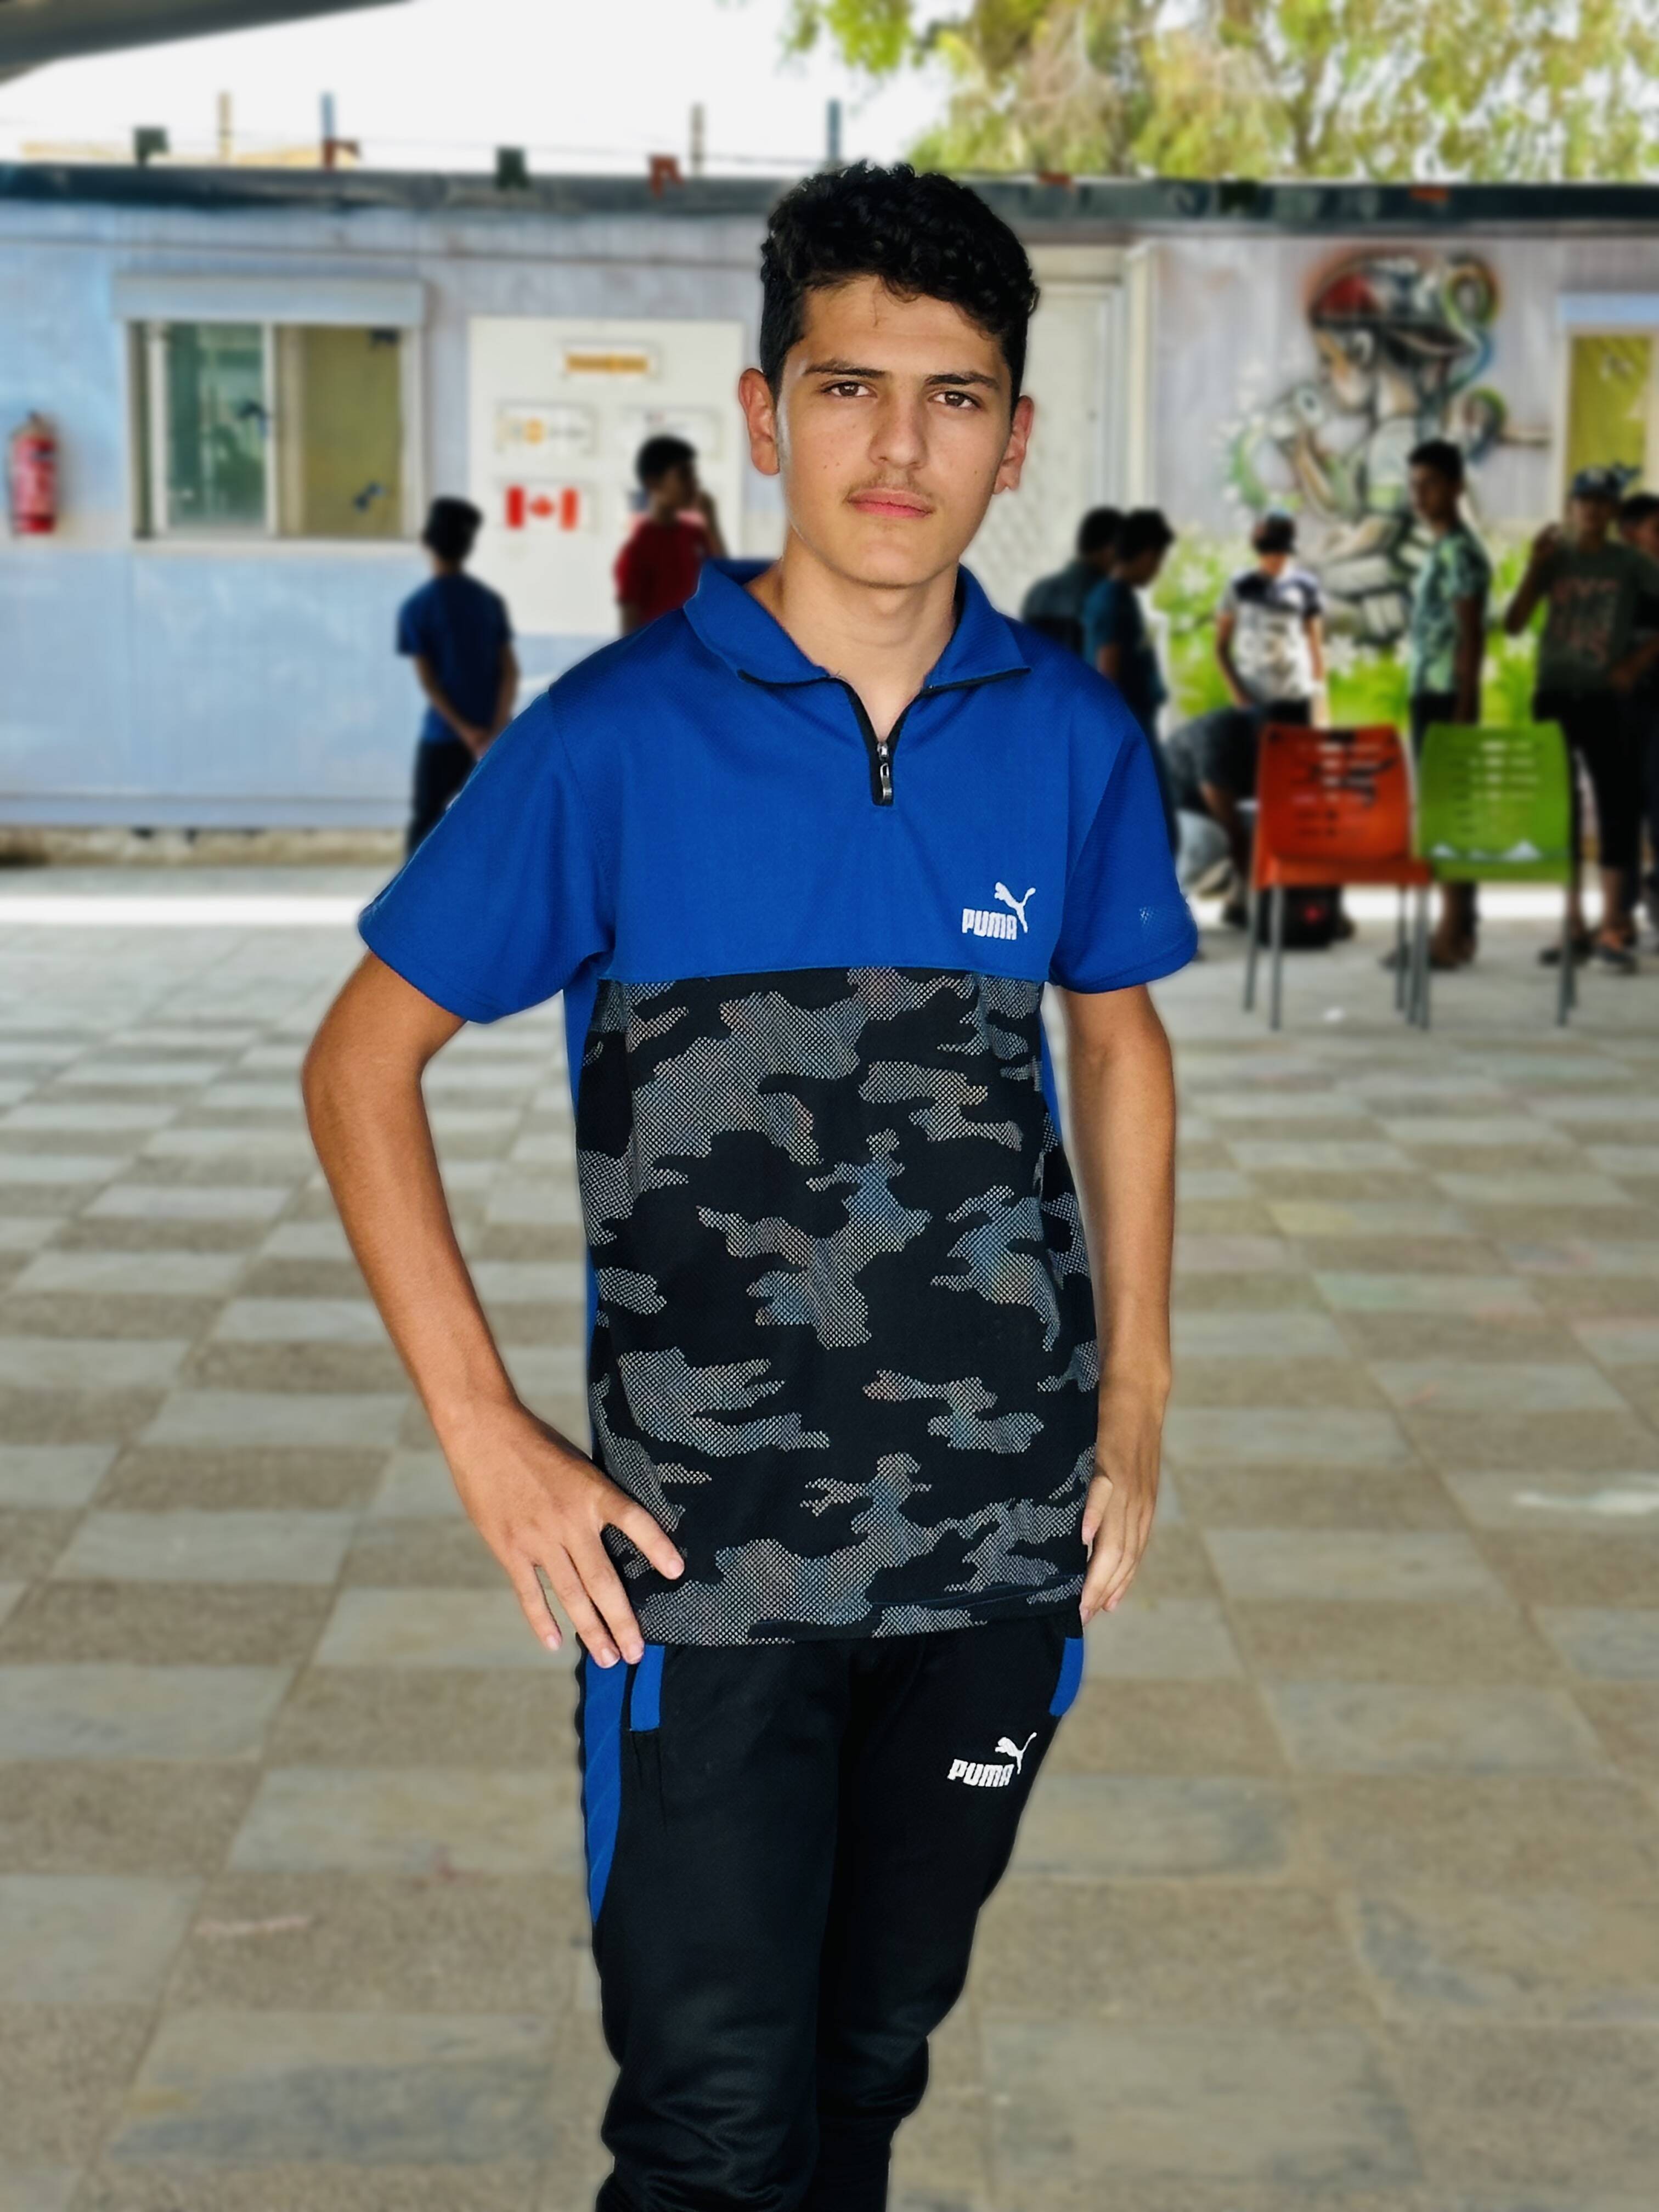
(1074, 372)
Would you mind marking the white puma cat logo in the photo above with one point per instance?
(1016, 1751)
(1007, 897)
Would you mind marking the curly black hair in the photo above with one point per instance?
(925, 236)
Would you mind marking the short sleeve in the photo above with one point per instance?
(1313, 598)
(1228, 603)
(412, 628)
(1468, 579)
(503, 620)
(507, 899)
(1124, 919)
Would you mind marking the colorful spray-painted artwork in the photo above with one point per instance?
(1401, 341)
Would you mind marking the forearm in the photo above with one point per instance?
(438, 699)
(1123, 1123)
(1521, 609)
(368, 1122)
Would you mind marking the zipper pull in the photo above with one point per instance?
(884, 770)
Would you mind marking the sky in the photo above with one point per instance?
(584, 84)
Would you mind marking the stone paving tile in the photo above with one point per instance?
(1397, 1728)
(89, 1939)
(1310, 2112)
(1370, 1757)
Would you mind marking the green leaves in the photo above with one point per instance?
(1507, 90)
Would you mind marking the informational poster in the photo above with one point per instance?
(558, 410)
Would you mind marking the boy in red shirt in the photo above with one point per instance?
(657, 570)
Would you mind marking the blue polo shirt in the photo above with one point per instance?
(460, 626)
(842, 1338)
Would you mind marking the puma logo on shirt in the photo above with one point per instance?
(985, 922)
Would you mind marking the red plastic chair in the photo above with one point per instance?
(1334, 806)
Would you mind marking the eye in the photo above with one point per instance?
(849, 388)
(959, 400)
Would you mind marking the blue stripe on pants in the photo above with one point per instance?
(602, 1703)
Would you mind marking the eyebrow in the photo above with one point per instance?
(874, 375)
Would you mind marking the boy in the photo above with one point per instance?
(1115, 638)
(1269, 630)
(801, 857)
(1587, 667)
(1269, 641)
(657, 570)
(458, 633)
(1446, 644)
(1054, 604)
(1638, 525)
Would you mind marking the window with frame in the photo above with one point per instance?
(250, 430)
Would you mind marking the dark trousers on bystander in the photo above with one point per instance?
(441, 766)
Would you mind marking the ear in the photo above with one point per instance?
(1013, 454)
(760, 414)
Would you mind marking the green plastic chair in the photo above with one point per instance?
(1495, 806)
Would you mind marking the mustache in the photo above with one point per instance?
(893, 491)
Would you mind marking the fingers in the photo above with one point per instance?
(566, 1579)
(1118, 1546)
(527, 1589)
(647, 1535)
(604, 1586)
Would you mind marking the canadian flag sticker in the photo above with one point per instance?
(563, 506)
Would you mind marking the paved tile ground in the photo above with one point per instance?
(1342, 1886)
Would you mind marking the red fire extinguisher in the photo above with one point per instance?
(32, 478)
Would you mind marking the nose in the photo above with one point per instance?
(899, 439)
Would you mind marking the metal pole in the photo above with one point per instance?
(328, 130)
(699, 133)
(225, 133)
(832, 135)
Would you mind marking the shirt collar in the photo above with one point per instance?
(732, 624)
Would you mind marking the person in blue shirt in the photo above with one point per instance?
(1116, 640)
(457, 632)
(876, 1381)
(1054, 604)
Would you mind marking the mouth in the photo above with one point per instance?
(888, 506)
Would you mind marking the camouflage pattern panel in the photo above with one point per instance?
(844, 1347)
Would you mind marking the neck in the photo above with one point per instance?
(883, 640)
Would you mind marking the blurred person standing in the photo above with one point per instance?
(1269, 631)
(1054, 604)
(1117, 641)
(1638, 525)
(657, 570)
(458, 633)
(1592, 586)
(1269, 641)
(1446, 645)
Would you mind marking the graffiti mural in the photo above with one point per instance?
(1401, 341)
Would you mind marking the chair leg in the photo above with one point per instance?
(1567, 989)
(1421, 971)
(1276, 989)
(1250, 950)
(1399, 994)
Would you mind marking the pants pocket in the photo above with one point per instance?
(644, 1697)
(1071, 1677)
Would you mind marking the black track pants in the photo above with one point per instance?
(788, 1846)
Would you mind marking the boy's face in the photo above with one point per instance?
(1643, 535)
(1434, 498)
(1272, 564)
(677, 488)
(891, 429)
(1143, 569)
(1589, 519)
